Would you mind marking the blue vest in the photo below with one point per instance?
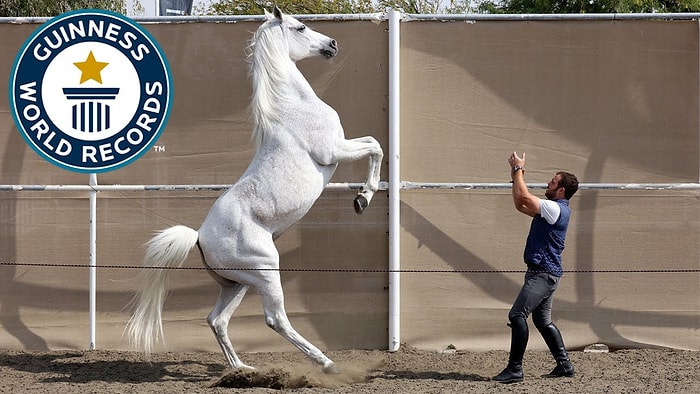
(546, 241)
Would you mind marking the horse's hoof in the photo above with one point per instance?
(360, 203)
(331, 368)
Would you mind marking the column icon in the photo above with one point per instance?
(90, 114)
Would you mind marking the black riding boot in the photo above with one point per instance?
(518, 342)
(552, 337)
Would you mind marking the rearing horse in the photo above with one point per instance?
(299, 141)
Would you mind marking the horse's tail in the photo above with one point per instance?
(167, 249)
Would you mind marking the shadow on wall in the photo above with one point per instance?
(12, 160)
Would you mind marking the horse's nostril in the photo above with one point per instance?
(334, 44)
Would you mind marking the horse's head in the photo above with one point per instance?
(302, 41)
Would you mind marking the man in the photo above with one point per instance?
(545, 243)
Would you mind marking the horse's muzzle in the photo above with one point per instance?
(331, 51)
(328, 54)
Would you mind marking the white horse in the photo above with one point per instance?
(299, 142)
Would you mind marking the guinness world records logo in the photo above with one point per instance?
(90, 91)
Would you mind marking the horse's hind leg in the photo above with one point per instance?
(230, 296)
(276, 318)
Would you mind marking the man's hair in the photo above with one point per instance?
(569, 182)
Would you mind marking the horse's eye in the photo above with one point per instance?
(301, 28)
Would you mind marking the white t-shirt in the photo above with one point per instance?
(549, 210)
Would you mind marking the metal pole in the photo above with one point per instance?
(93, 257)
(394, 184)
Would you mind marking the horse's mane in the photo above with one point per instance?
(267, 54)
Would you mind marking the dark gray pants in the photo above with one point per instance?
(535, 298)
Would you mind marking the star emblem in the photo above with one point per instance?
(91, 69)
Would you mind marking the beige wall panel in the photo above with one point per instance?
(609, 101)
(472, 239)
(613, 102)
(206, 142)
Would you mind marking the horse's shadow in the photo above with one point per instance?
(78, 367)
(431, 375)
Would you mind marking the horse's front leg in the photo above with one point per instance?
(355, 149)
(373, 173)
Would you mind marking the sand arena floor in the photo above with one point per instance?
(363, 371)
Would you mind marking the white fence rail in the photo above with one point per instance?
(342, 186)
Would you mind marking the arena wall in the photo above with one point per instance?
(611, 101)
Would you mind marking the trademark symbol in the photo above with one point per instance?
(159, 148)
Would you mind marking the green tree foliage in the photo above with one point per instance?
(253, 7)
(48, 8)
(413, 6)
(256, 7)
(586, 6)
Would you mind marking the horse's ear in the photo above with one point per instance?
(268, 15)
(278, 12)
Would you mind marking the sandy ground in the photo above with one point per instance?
(363, 371)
